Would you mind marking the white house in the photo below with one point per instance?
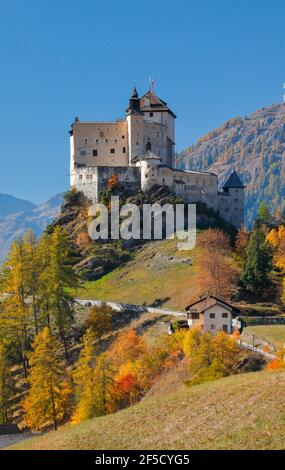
(211, 314)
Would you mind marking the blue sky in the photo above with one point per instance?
(211, 60)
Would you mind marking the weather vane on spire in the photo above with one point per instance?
(151, 85)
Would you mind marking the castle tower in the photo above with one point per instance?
(159, 126)
(135, 126)
(231, 200)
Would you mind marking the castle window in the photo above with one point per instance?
(91, 177)
(85, 140)
(123, 136)
(87, 177)
(82, 153)
(95, 153)
(112, 150)
(236, 200)
(150, 114)
(124, 149)
(97, 141)
(80, 177)
(138, 143)
(106, 140)
(115, 141)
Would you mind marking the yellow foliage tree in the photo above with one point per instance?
(48, 399)
(84, 380)
(191, 341)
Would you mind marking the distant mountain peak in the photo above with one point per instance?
(11, 204)
(18, 216)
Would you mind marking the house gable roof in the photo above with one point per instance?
(208, 301)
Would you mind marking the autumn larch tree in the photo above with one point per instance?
(16, 311)
(84, 379)
(100, 320)
(48, 400)
(6, 384)
(58, 275)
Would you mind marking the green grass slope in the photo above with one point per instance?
(239, 412)
(273, 334)
(157, 271)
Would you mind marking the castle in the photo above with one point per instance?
(140, 150)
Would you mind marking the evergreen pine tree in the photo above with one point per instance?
(258, 262)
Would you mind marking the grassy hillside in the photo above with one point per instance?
(273, 334)
(158, 272)
(250, 415)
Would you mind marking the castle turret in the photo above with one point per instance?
(231, 200)
(135, 126)
(148, 163)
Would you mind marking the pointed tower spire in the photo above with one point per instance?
(135, 93)
(134, 104)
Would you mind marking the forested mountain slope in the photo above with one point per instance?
(255, 146)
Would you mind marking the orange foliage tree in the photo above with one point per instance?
(112, 182)
(216, 274)
(83, 240)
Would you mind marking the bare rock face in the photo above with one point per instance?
(255, 147)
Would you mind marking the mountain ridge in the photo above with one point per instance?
(15, 224)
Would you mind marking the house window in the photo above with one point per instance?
(195, 316)
(225, 315)
(80, 177)
(213, 327)
(112, 150)
(212, 315)
(95, 153)
(225, 328)
(150, 114)
(124, 149)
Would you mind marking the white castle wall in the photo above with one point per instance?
(91, 181)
